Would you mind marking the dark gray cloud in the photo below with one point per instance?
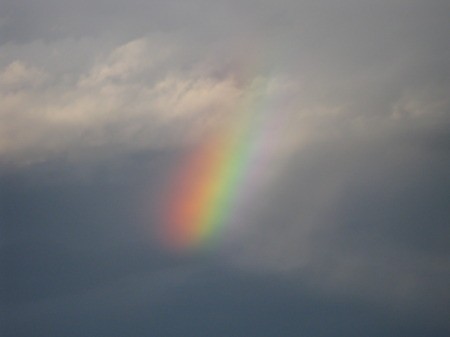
(371, 245)
(347, 230)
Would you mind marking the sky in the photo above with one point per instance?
(224, 168)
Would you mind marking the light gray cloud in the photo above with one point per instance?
(362, 214)
(360, 59)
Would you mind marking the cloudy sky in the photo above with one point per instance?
(336, 120)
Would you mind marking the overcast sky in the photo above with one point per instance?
(343, 224)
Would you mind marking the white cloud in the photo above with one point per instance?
(121, 99)
(18, 75)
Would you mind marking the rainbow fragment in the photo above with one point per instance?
(206, 190)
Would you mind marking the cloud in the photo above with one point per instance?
(361, 215)
(100, 100)
(96, 84)
(17, 75)
(122, 100)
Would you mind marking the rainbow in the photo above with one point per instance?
(206, 190)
